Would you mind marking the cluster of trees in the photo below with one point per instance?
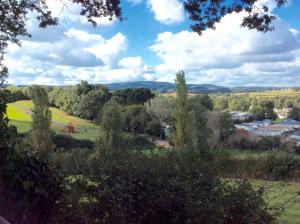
(245, 101)
(86, 100)
(262, 108)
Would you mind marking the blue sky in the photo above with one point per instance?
(153, 43)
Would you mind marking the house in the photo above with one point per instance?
(251, 126)
(240, 116)
(274, 130)
(283, 113)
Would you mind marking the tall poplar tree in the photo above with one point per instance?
(111, 127)
(181, 111)
(41, 122)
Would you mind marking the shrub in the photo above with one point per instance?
(68, 142)
(29, 189)
(281, 165)
(177, 187)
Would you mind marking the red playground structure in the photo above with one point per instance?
(68, 129)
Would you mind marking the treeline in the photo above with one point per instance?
(244, 101)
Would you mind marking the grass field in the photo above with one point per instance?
(19, 114)
(287, 194)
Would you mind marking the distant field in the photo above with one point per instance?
(174, 94)
(19, 114)
(273, 93)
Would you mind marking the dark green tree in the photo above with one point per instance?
(205, 100)
(295, 114)
(198, 129)
(227, 127)
(181, 111)
(93, 102)
(111, 127)
(131, 96)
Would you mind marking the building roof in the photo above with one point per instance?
(290, 122)
(275, 128)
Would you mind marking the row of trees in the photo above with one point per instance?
(245, 101)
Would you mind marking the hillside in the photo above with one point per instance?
(166, 87)
(19, 114)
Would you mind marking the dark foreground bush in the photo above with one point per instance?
(29, 189)
(68, 142)
(132, 188)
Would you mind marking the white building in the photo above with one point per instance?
(240, 116)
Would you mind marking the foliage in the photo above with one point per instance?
(131, 96)
(161, 107)
(28, 188)
(66, 142)
(41, 122)
(205, 100)
(198, 130)
(92, 102)
(181, 110)
(206, 13)
(227, 127)
(135, 117)
(111, 126)
(172, 188)
(295, 114)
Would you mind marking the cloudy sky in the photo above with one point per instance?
(153, 43)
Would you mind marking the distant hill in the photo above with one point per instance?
(166, 87)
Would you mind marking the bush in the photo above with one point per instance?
(72, 162)
(67, 142)
(179, 187)
(29, 189)
(281, 166)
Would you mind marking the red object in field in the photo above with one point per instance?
(71, 128)
(68, 129)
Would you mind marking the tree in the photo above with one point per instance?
(111, 127)
(227, 127)
(205, 100)
(198, 125)
(131, 96)
(181, 111)
(135, 118)
(161, 107)
(93, 102)
(221, 103)
(206, 13)
(41, 122)
(268, 107)
(4, 129)
(295, 113)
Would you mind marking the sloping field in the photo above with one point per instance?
(286, 196)
(19, 114)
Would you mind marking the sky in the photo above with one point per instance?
(153, 43)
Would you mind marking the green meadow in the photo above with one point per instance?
(19, 114)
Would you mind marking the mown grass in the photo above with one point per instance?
(286, 196)
(19, 114)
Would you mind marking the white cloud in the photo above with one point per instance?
(131, 62)
(167, 11)
(230, 54)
